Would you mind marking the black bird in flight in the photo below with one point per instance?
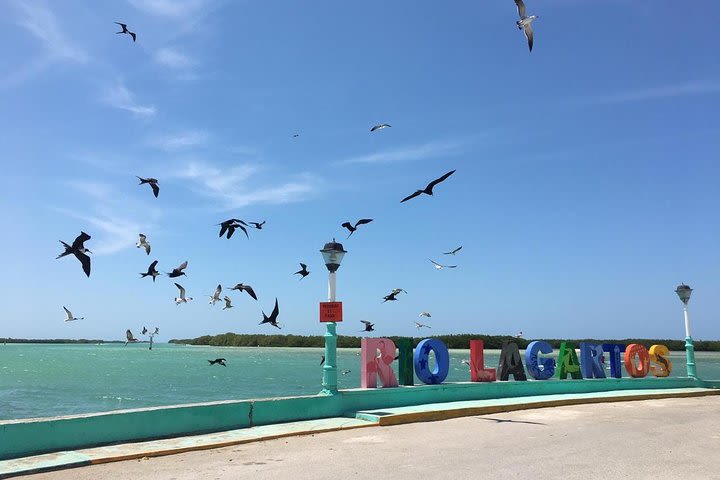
(78, 249)
(179, 270)
(218, 361)
(428, 190)
(153, 184)
(247, 288)
(380, 127)
(258, 225)
(303, 271)
(144, 331)
(230, 225)
(272, 319)
(390, 297)
(151, 271)
(369, 327)
(352, 228)
(454, 251)
(129, 337)
(125, 30)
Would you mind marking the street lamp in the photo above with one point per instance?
(333, 254)
(684, 292)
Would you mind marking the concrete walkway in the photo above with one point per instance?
(662, 438)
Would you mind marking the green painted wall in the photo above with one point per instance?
(20, 438)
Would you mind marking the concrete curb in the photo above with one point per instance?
(437, 415)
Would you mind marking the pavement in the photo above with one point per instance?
(662, 437)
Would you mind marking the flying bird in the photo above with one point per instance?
(78, 249)
(454, 251)
(352, 228)
(419, 325)
(215, 297)
(303, 271)
(228, 302)
(345, 372)
(425, 314)
(322, 359)
(398, 290)
(519, 334)
(181, 298)
(70, 317)
(129, 337)
(296, 135)
(125, 30)
(439, 266)
(144, 331)
(272, 319)
(143, 243)
(257, 225)
(179, 270)
(157, 330)
(391, 296)
(525, 22)
(231, 225)
(380, 127)
(428, 190)
(369, 326)
(218, 361)
(247, 288)
(153, 184)
(151, 271)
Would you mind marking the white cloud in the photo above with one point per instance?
(231, 186)
(170, 8)
(118, 96)
(180, 140)
(428, 150)
(42, 24)
(111, 232)
(667, 91)
(172, 58)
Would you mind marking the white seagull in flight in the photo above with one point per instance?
(525, 22)
(440, 266)
(143, 243)
(181, 298)
(70, 317)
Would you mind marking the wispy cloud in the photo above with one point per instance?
(111, 232)
(41, 22)
(655, 93)
(172, 58)
(118, 96)
(233, 188)
(418, 152)
(170, 8)
(179, 141)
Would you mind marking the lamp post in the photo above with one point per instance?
(333, 254)
(684, 292)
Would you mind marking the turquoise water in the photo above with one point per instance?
(48, 380)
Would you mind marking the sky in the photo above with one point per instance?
(586, 183)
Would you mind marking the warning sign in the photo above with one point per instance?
(331, 311)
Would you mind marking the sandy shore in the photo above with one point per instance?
(669, 438)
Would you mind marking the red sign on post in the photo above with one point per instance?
(331, 311)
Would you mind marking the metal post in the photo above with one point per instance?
(330, 367)
(689, 347)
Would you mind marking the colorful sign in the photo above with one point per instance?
(378, 354)
(331, 311)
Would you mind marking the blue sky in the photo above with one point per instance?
(586, 185)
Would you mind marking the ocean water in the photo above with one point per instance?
(38, 380)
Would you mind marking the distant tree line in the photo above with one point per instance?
(452, 341)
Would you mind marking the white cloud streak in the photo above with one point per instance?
(419, 152)
(170, 8)
(179, 141)
(118, 96)
(232, 186)
(657, 93)
(172, 58)
(41, 23)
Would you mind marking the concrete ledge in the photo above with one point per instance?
(19, 438)
(445, 411)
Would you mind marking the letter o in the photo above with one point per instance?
(421, 360)
(637, 370)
